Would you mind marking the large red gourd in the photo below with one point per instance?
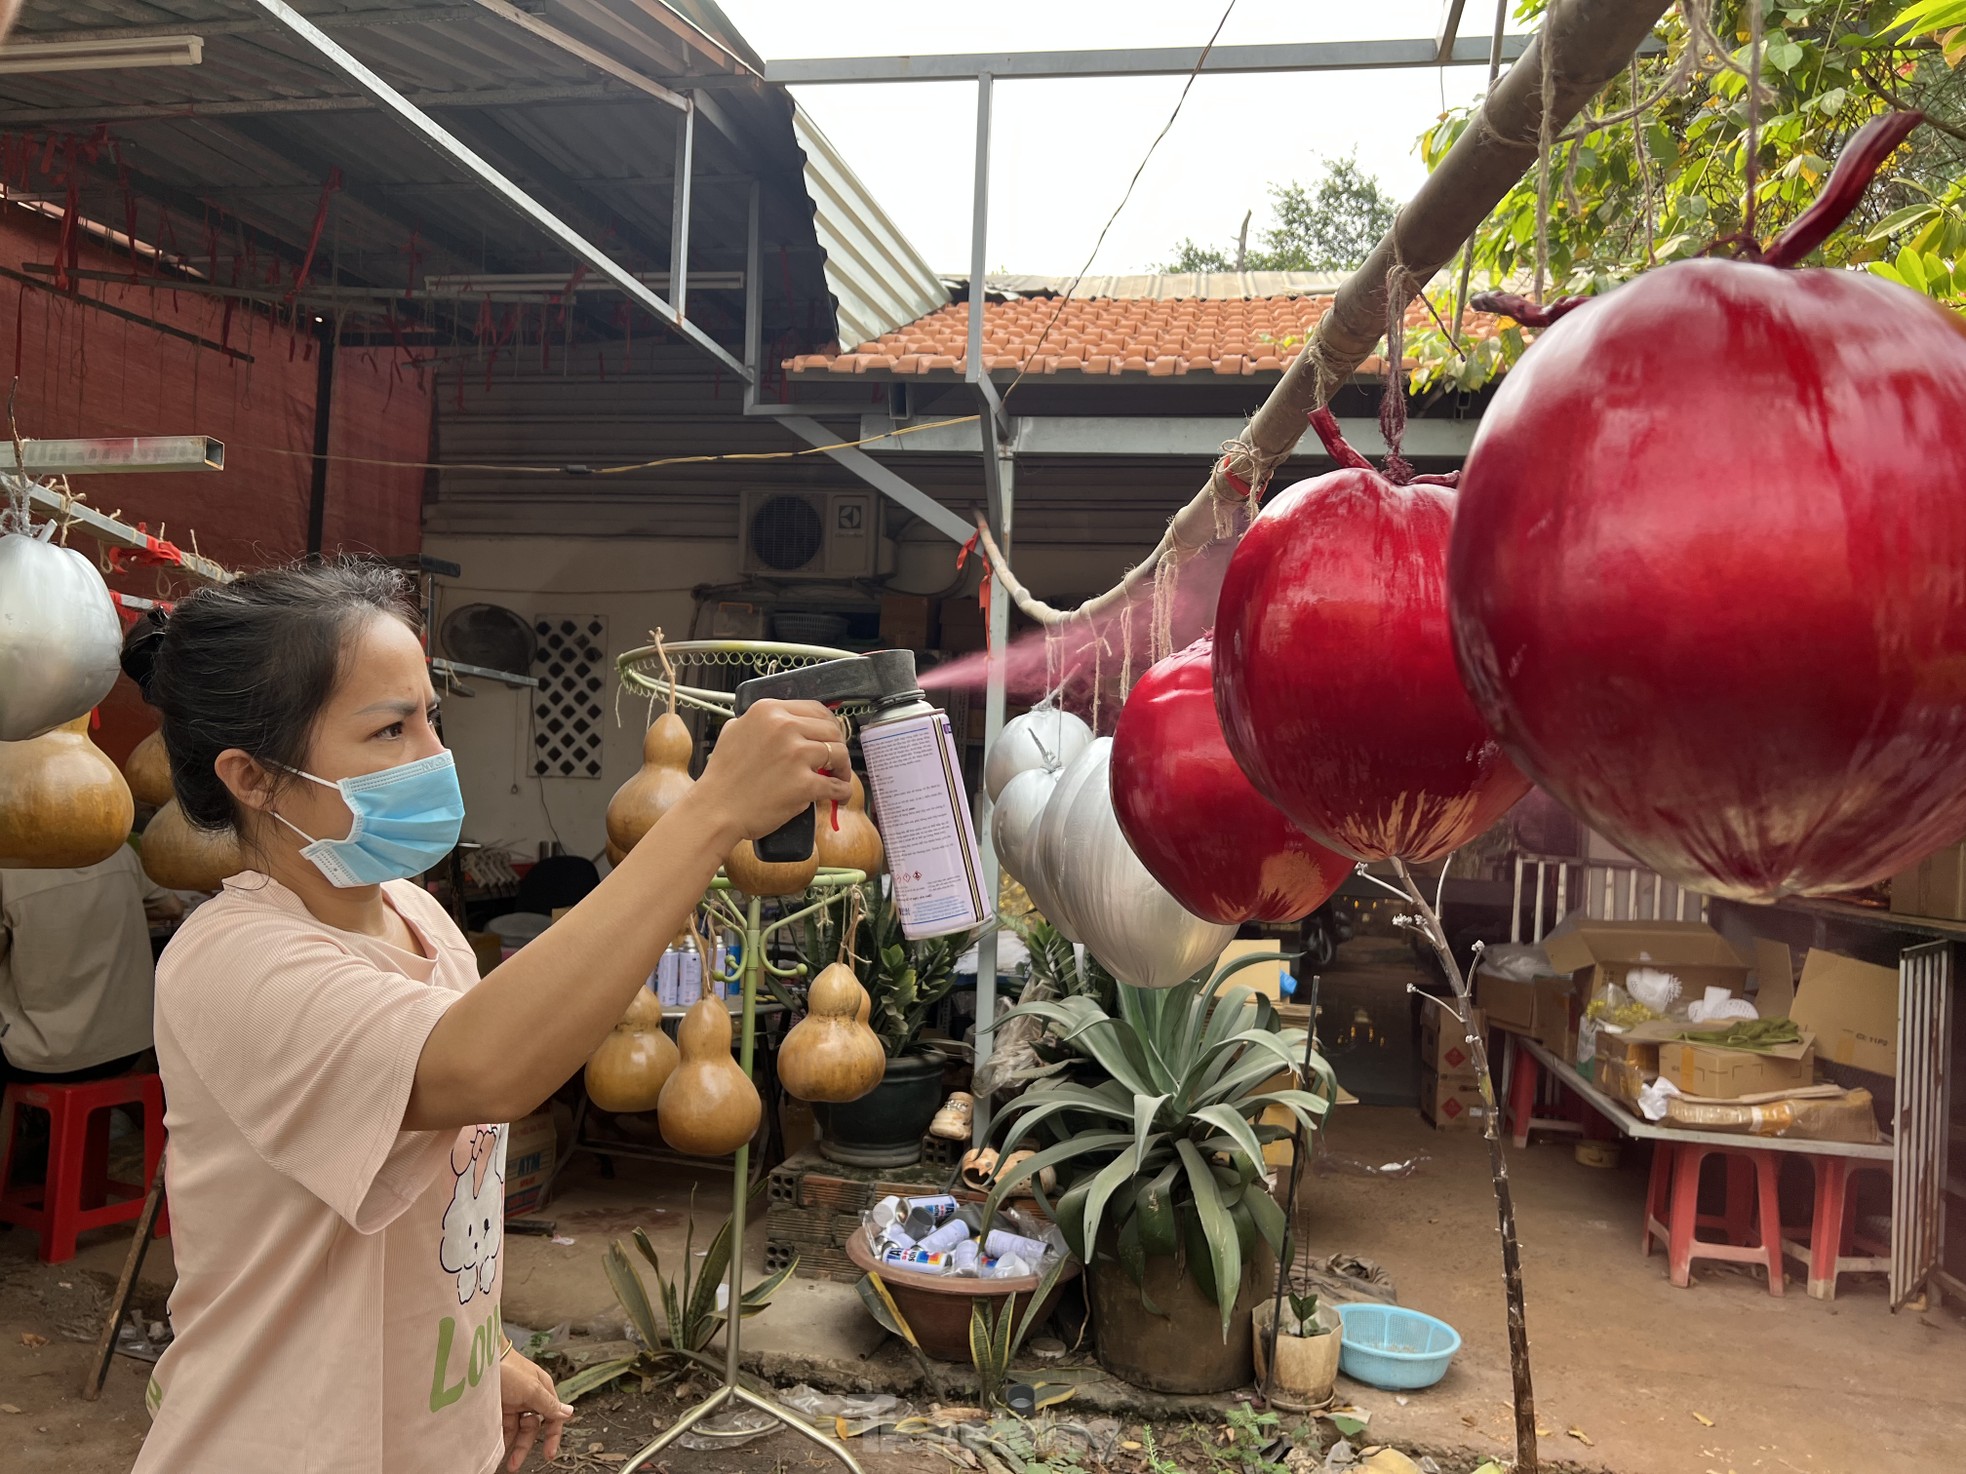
(1219, 847)
(1709, 569)
(1334, 671)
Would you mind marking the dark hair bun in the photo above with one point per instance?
(140, 649)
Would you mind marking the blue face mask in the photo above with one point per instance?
(407, 818)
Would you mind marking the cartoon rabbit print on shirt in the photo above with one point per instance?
(474, 1224)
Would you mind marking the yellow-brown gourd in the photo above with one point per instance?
(856, 844)
(709, 1108)
(830, 1055)
(180, 856)
(757, 877)
(657, 788)
(63, 803)
(635, 1061)
(148, 771)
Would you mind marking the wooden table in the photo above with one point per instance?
(1834, 1161)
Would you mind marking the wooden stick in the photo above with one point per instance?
(1592, 42)
(119, 1303)
(1525, 1393)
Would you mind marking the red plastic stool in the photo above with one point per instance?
(1833, 1246)
(1752, 1220)
(79, 1194)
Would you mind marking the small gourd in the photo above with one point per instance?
(148, 770)
(709, 1108)
(663, 780)
(627, 1073)
(757, 877)
(63, 803)
(180, 856)
(830, 1055)
(856, 844)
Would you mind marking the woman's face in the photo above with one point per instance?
(380, 716)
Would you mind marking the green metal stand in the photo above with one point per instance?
(835, 884)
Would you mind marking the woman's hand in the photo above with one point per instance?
(772, 762)
(531, 1407)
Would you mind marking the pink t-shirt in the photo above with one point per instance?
(338, 1277)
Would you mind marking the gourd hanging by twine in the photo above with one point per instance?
(148, 771)
(180, 856)
(639, 804)
(708, 1107)
(63, 803)
(831, 1055)
(627, 1072)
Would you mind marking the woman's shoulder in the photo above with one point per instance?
(253, 926)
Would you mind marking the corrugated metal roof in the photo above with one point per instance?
(878, 280)
(225, 162)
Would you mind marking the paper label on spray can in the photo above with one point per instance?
(932, 854)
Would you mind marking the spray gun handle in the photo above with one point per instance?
(885, 675)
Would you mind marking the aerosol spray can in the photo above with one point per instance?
(932, 855)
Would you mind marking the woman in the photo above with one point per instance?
(336, 1073)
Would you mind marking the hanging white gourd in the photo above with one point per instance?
(1124, 916)
(1046, 736)
(60, 639)
(1014, 831)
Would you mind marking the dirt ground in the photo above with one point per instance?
(1720, 1378)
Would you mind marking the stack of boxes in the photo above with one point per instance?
(1450, 1093)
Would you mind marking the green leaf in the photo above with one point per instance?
(760, 1294)
(1783, 56)
(1271, 1222)
(1154, 1209)
(1104, 1184)
(1927, 16)
(1087, 1144)
(874, 1294)
(1911, 269)
(1909, 218)
(1131, 1252)
(632, 1295)
(1225, 1257)
(590, 1379)
(1046, 1284)
(1145, 1108)
(1237, 1129)
(981, 1351)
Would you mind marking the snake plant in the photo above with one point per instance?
(1158, 1141)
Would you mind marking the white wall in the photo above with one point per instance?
(637, 584)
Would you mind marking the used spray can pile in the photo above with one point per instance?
(938, 1235)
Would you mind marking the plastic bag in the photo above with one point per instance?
(1521, 962)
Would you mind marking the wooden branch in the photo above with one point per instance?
(1428, 925)
(1592, 42)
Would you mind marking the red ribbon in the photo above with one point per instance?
(328, 189)
(982, 589)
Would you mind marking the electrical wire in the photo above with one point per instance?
(976, 288)
(575, 469)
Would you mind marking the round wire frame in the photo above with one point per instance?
(641, 669)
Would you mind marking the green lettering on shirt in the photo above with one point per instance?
(441, 1396)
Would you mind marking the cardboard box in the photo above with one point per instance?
(1451, 1105)
(908, 622)
(1624, 1065)
(1544, 1009)
(1710, 1073)
(1599, 955)
(1444, 1045)
(529, 1148)
(1852, 1009)
(1934, 887)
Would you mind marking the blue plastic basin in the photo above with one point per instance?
(1388, 1347)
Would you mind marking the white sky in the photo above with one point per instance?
(1062, 151)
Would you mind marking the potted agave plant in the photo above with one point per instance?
(1157, 1141)
(904, 981)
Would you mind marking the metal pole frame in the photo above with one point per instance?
(679, 219)
(447, 143)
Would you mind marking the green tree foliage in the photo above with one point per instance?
(1628, 192)
(1331, 224)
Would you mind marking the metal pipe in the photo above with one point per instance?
(993, 717)
(754, 297)
(449, 145)
(979, 230)
(599, 60)
(679, 218)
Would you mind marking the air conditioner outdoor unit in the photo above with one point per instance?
(810, 534)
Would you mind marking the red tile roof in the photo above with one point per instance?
(1108, 336)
